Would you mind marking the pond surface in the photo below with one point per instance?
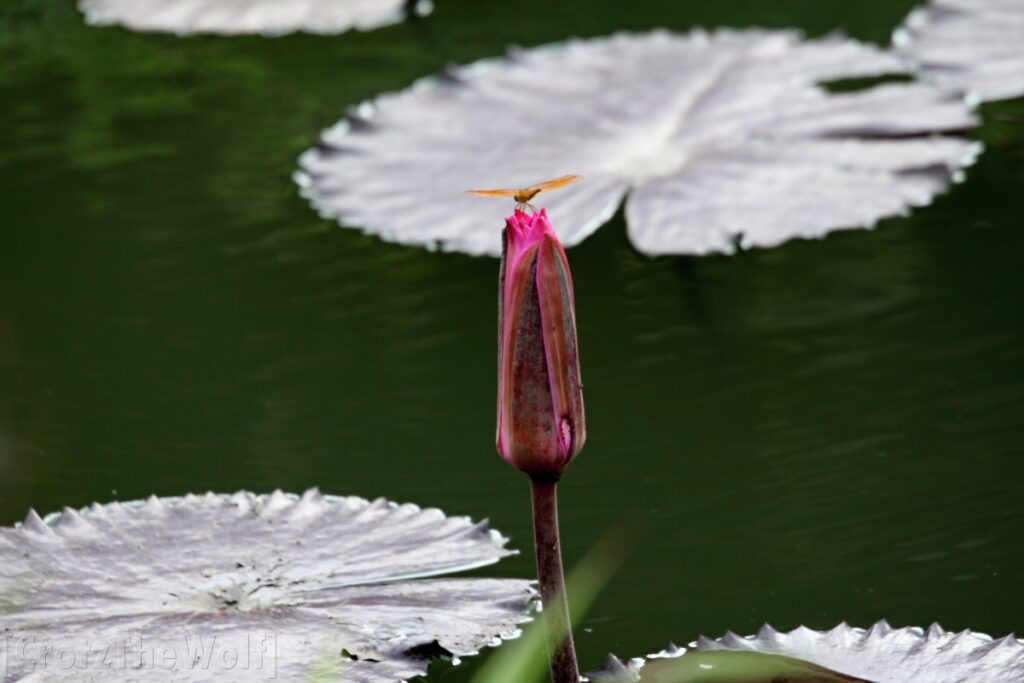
(827, 431)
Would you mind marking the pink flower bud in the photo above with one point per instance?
(540, 400)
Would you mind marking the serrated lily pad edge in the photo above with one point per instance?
(633, 667)
(417, 8)
(33, 522)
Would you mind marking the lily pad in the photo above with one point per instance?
(265, 17)
(201, 587)
(968, 45)
(726, 666)
(718, 139)
(881, 654)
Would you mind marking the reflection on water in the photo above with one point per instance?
(830, 430)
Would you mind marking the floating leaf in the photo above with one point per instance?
(721, 667)
(968, 45)
(881, 654)
(718, 138)
(266, 17)
(195, 588)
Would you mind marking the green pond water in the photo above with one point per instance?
(827, 431)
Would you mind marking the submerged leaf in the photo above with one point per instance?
(266, 17)
(722, 138)
(195, 588)
(881, 654)
(968, 45)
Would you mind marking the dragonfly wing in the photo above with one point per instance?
(493, 193)
(555, 183)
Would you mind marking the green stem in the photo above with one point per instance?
(561, 650)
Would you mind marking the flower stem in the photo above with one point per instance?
(561, 651)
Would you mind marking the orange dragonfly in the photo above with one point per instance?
(525, 194)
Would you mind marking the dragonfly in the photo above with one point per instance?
(525, 194)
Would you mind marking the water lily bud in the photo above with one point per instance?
(540, 400)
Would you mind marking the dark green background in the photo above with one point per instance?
(826, 431)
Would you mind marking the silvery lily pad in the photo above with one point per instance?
(718, 139)
(726, 666)
(266, 17)
(968, 45)
(881, 654)
(247, 587)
